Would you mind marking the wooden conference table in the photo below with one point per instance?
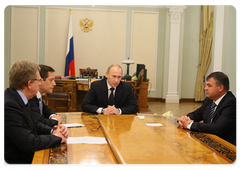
(131, 141)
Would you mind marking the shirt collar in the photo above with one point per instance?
(219, 100)
(110, 86)
(24, 98)
(39, 95)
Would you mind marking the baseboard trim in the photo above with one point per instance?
(151, 99)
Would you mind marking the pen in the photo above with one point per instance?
(98, 127)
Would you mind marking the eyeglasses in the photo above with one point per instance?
(40, 80)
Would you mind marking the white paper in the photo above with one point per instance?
(86, 140)
(153, 124)
(73, 125)
(141, 117)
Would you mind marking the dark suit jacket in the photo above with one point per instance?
(224, 120)
(46, 112)
(22, 136)
(97, 96)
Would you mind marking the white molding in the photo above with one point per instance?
(218, 39)
(136, 5)
(175, 13)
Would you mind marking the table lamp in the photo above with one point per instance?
(128, 62)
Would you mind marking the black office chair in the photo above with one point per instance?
(137, 88)
(60, 93)
(88, 73)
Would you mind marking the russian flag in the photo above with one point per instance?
(70, 66)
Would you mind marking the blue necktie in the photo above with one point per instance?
(40, 105)
(212, 112)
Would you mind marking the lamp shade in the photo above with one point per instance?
(127, 62)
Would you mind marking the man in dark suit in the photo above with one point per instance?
(40, 111)
(111, 95)
(218, 110)
(22, 135)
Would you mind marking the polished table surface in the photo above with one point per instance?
(131, 141)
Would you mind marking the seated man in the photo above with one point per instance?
(218, 110)
(40, 110)
(111, 95)
(22, 135)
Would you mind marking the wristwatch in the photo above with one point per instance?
(102, 111)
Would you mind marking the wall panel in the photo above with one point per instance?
(99, 48)
(144, 43)
(24, 33)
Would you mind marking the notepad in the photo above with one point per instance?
(86, 140)
(73, 125)
(153, 124)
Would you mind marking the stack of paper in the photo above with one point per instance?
(86, 140)
(153, 124)
(73, 125)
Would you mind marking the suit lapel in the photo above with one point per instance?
(118, 93)
(104, 91)
(219, 107)
(27, 114)
(26, 111)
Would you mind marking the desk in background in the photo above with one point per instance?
(78, 90)
(142, 102)
(130, 141)
(61, 106)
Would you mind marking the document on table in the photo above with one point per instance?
(86, 140)
(153, 124)
(73, 125)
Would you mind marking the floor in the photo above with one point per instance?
(178, 109)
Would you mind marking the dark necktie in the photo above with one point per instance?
(111, 98)
(212, 112)
(40, 105)
(29, 118)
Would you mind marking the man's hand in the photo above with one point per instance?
(61, 131)
(111, 110)
(184, 121)
(58, 117)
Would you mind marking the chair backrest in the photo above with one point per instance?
(92, 80)
(88, 72)
(140, 78)
(59, 84)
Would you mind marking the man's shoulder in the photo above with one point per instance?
(98, 83)
(230, 95)
(33, 100)
(10, 95)
(126, 84)
(229, 99)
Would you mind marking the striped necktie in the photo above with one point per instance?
(40, 105)
(212, 112)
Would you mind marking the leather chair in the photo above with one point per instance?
(88, 73)
(137, 88)
(59, 94)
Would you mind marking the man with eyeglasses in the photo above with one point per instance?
(40, 111)
(22, 135)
